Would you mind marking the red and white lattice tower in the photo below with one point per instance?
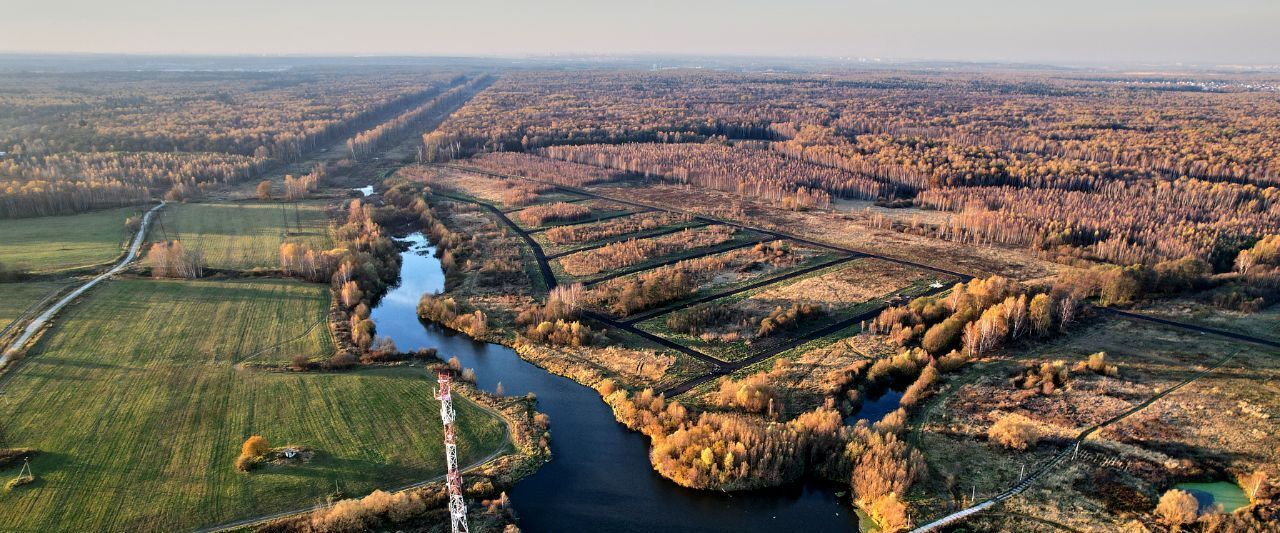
(457, 506)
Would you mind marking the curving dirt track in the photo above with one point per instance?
(42, 319)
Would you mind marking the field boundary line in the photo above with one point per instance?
(39, 322)
(657, 312)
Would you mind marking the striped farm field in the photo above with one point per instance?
(138, 410)
(49, 244)
(244, 235)
(17, 298)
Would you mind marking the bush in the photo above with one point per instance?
(1098, 365)
(251, 451)
(245, 464)
(1015, 432)
(300, 362)
(919, 390)
(255, 446)
(1177, 508)
(563, 333)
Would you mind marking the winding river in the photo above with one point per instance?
(599, 478)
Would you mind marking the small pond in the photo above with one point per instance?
(1225, 493)
(875, 406)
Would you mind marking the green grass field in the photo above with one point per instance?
(48, 244)
(138, 412)
(244, 235)
(17, 297)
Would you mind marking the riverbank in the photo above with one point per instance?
(601, 476)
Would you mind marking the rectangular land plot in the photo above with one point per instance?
(633, 254)
(774, 316)
(544, 216)
(137, 412)
(50, 244)
(244, 235)
(653, 292)
(565, 240)
(508, 194)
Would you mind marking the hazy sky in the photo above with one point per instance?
(1062, 31)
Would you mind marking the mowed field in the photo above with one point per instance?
(138, 411)
(244, 235)
(48, 244)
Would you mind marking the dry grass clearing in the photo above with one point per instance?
(1222, 425)
(634, 251)
(736, 326)
(851, 230)
(857, 282)
(1263, 324)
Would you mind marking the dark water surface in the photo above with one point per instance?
(599, 479)
(876, 406)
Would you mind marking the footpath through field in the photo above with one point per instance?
(43, 318)
(1026, 482)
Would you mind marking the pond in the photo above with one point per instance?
(1225, 493)
(599, 478)
(876, 405)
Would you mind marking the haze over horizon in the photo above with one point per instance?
(1087, 31)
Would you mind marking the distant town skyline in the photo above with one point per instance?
(1085, 31)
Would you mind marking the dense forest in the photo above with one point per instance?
(1121, 170)
(72, 142)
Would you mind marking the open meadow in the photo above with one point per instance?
(244, 235)
(137, 411)
(49, 244)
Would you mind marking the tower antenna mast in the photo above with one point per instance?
(453, 481)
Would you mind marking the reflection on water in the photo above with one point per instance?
(1210, 495)
(599, 479)
(875, 406)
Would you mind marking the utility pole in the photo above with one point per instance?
(453, 481)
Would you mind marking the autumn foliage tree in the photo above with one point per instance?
(251, 451)
(171, 259)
